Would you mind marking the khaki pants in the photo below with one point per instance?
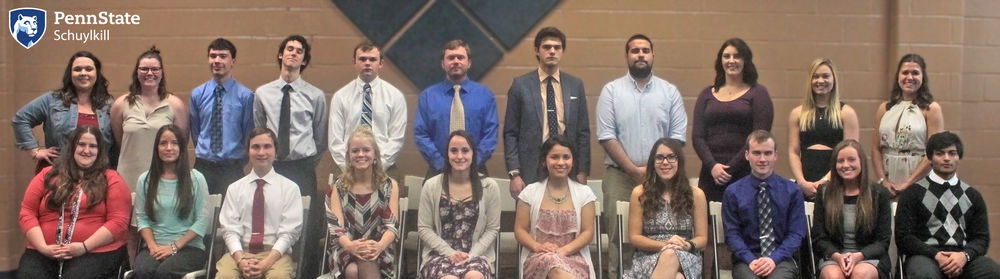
(282, 269)
(617, 187)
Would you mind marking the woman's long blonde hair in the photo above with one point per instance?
(807, 117)
(378, 174)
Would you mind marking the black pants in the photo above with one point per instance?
(220, 174)
(918, 266)
(187, 259)
(303, 173)
(93, 265)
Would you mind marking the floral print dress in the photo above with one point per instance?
(902, 137)
(458, 221)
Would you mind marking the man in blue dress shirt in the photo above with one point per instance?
(441, 108)
(764, 215)
(221, 118)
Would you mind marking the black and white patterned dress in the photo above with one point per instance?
(366, 216)
(665, 225)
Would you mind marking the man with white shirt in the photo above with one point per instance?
(368, 100)
(261, 217)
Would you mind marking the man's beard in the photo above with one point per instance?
(640, 72)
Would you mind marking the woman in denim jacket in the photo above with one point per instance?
(83, 100)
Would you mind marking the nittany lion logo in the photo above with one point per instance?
(27, 25)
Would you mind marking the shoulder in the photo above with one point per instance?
(489, 182)
(197, 176)
(796, 112)
(707, 92)
(120, 100)
(174, 101)
(638, 190)
(666, 84)
(881, 107)
(310, 89)
(934, 108)
(697, 193)
(758, 89)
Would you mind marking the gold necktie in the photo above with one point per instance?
(457, 111)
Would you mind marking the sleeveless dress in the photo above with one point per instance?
(138, 137)
(815, 162)
(662, 227)
(902, 138)
(458, 222)
(558, 227)
(366, 216)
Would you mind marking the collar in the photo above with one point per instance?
(361, 83)
(934, 177)
(542, 76)
(227, 83)
(635, 84)
(271, 177)
(295, 83)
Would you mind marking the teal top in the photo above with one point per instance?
(168, 226)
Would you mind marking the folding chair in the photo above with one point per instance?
(410, 240)
(809, 206)
(622, 208)
(715, 224)
(506, 242)
(600, 242)
(900, 258)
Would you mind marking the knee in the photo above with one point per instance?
(351, 271)
(668, 255)
(831, 272)
(473, 275)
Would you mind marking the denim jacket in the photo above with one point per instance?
(58, 122)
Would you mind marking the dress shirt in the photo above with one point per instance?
(389, 116)
(637, 117)
(431, 125)
(308, 129)
(557, 88)
(168, 226)
(283, 206)
(739, 213)
(237, 120)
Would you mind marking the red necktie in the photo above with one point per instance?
(257, 228)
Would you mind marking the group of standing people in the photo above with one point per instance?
(283, 127)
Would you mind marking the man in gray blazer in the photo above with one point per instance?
(540, 104)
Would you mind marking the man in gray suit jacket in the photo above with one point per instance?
(540, 104)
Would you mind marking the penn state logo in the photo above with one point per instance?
(27, 25)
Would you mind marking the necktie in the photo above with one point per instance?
(217, 119)
(366, 106)
(457, 111)
(550, 107)
(257, 226)
(284, 122)
(764, 215)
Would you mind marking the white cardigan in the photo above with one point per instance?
(582, 195)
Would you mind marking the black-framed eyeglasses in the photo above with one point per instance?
(659, 159)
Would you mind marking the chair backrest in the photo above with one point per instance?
(413, 185)
(597, 186)
(507, 203)
(810, 206)
(622, 208)
(715, 212)
(693, 181)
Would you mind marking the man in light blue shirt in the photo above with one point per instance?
(219, 136)
(632, 113)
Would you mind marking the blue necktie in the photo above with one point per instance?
(764, 215)
(217, 119)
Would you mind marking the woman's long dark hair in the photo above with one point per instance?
(924, 98)
(833, 193)
(749, 70)
(99, 95)
(62, 179)
(477, 184)
(560, 140)
(681, 196)
(185, 192)
(135, 89)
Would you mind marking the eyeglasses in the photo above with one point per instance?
(659, 159)
(150, 69)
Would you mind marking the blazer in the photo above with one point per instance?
(483, 236)
(874, 245)
(522, 131)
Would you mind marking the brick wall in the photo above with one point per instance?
(865, 39)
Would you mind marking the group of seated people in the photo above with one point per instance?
(75, 215)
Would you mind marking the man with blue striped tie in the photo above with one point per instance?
(368, 100)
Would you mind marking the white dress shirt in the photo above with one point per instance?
(308, 115)
(282, 207)
(389, 118)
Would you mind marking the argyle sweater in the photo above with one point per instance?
(934, 215)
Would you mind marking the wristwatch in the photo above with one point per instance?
(880, 180)
(514, 173)
(968, 258)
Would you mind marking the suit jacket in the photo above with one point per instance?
(522, 131)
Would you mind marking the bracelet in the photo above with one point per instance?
(34, 153)
(85, 250)
(173, 247)
(692, 248)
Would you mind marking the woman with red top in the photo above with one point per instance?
(74, 214)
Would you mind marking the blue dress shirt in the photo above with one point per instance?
(431, 126)
(739, 213)
(237, 119)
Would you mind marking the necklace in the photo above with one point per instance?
(558, 200)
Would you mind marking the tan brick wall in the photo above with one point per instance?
(865, 39)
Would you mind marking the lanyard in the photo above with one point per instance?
(60, 240)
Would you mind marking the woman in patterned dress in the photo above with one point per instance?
(555, 216)
(362, 209)
(903, 125)
(668, 218)
(459, 217)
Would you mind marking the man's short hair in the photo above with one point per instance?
(223, 44)
(305, 50)
(638, 37)
(454, 44)
(943, 140)
(760, 136)
(550, 32)
(261, 131)
(366, 46)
